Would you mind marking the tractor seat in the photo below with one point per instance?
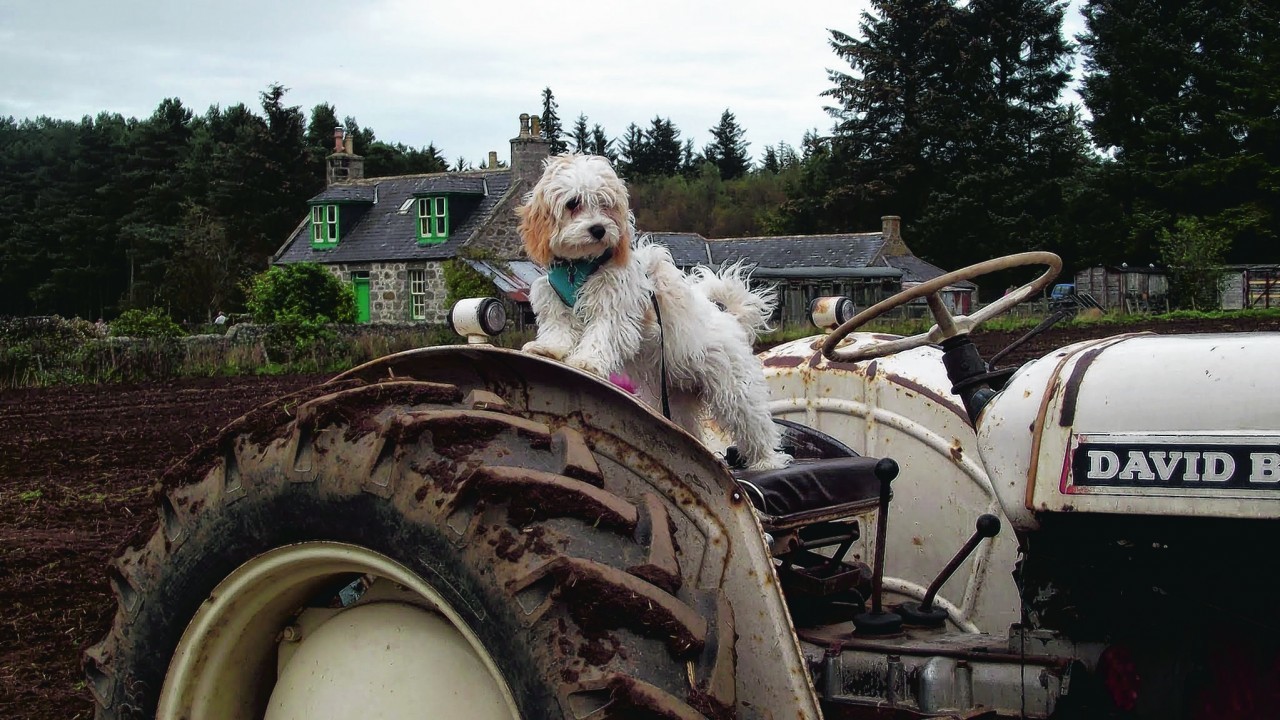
(809, 491)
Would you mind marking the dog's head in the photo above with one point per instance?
(577, 210)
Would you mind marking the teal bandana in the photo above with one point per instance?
(568, 276)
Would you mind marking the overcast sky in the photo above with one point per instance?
(456, 74)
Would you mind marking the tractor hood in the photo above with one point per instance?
(1140, 424)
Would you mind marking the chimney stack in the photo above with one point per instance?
(891, 231)
(529, 151)
(343, 164)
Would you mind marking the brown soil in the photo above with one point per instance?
(77, 465)
(76, 468)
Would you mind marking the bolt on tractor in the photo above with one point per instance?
(474, 532)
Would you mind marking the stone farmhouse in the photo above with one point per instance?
(391, 236)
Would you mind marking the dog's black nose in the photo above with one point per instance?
(597, 231)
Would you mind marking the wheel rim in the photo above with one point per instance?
(225, 663)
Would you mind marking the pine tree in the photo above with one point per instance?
(769, 162)
(601, 144)
(1183, 95)
(150, 234)
(551, 128)
(581, 135)
(728, 151)
(690, 161)
(665, 150)
(633, 152)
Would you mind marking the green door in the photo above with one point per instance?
(361, 281)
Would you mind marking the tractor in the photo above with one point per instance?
(475, 532)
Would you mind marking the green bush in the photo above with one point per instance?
(42, 350)
(300, 292)
(150, 323)
(461, 281)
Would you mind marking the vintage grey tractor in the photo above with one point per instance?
(473, 532)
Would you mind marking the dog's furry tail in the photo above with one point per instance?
(731, 289)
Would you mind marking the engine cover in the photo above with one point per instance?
(1149, 424)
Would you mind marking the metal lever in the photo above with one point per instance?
(924, 614)
(879, 622)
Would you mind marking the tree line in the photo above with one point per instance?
(177, 210)
(952, 115)
(949, 114)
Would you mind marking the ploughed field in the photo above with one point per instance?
(77, 465)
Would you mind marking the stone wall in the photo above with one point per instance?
(389, 297)
(499, 238)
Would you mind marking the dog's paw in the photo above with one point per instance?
(587, 364)
(773, 461)
(534, 347)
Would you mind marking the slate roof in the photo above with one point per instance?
(687, 249)
(383, 234)
(915, 270)
(450, 183)
(854, 250)
(347, 193)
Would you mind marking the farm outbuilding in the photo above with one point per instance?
(1135, 289)
(1126, 289)
(1250, 286)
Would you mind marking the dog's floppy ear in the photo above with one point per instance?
(536, 228)
(626, 235)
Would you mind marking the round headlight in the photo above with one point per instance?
(829, 313)
(478, 316)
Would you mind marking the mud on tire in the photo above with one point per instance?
(571, 577)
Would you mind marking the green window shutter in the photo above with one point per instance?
(433, 220)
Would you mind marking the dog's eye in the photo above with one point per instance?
(572, 204)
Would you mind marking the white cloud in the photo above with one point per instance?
(453, 74)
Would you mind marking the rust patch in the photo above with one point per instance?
(917, 541)
(930, 393)
(783, 361)
(957, 452)
(872, 367)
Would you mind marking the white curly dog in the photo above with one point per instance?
(595, 308)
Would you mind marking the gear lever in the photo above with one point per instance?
(924, 614)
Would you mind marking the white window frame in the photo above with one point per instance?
(418, 294)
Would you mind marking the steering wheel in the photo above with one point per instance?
(948, 325)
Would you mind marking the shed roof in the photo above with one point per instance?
(853, 250)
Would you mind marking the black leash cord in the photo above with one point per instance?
(666, 404)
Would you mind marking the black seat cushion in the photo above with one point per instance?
(808, 485)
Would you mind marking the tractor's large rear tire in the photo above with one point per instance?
(569, 586)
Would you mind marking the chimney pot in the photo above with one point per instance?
(524, 124)
(350, 145)
(535, 128)
(338, 134)
(493, 159)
